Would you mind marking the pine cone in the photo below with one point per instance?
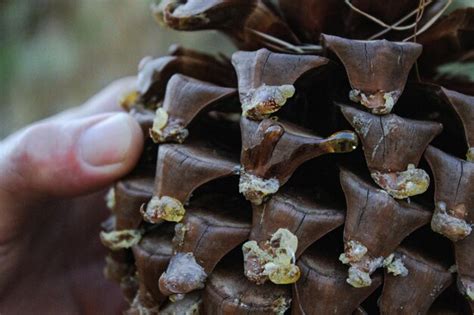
(324, 169)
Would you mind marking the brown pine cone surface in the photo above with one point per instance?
(323, 169)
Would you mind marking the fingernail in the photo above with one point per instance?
(106, 142)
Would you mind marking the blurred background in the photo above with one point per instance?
(54, 54)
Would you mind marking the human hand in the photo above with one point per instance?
(52, 180)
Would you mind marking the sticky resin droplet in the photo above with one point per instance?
(282, 273)
(129, 99)
(341, 142)
(470, 155)
(166, 129)
(353, 252)
(262, 102)
(164, 208)
(273, 260)
(395, 266)
(446, 223)
(116, 240)
(358, 278)
(361, 264)
(256, 189)
(110, 198)
(159, 123)
(176, 132)
(380, 103)
(400, 185)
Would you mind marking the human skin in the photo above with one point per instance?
(53, 175)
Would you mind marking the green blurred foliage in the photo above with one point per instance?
(457, 4)
(463, 70)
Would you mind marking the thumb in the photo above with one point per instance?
(69, 158)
